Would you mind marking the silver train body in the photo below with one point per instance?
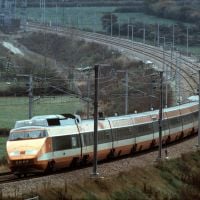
(52, 142)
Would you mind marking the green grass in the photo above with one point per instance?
(90, 17)
(81, 17)
(16, 108)
(141, 17)
(176, 179)
(4, 86)
(3, 147)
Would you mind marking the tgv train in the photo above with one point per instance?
(46, 143)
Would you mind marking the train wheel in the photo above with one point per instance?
(50, 166)
(111, 155)
(133, 149)
(84, 160)
(153, 143)
(74, 162)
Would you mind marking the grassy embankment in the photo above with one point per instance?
(177, 179)
(3, 156)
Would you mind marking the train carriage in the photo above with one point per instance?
(24, 147)
(46, 143)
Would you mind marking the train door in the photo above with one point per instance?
(155, 132)
(195, 115)
(165, 126)
(115, 141)
(87, 141)
(112, 135)
(175, 124)
(123, 140)
(187, 120)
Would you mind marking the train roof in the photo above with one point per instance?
(28, 127)
(61, 121)
(58, 130)
(49, 120)
(48, 117)
(125, 120)
(147, 113)
(193, 98)
(182, 106)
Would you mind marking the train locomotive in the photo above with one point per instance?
(50, 142)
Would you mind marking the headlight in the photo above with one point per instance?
(31, 152)
(15, 153)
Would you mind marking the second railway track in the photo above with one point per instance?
(9, 182)
(188, 70)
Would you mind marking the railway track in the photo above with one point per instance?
(176, 64)
(187, 73)
(9, 178)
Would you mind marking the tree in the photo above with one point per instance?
(106, 20)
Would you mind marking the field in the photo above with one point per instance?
(16, 108)
(2, 146)
(88, 17)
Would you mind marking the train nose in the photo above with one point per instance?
(23, 153)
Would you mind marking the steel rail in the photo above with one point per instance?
(146, 46)
(8, 177)
(134, 47)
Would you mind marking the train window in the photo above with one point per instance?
(135, 131)
(196, 115)
(187, 119)
(155, 126)
(88, 138)
(30, 134)
(124, 133)
(53, 122)
(100, 137)
(173, 122)
(104, 136)
(65, 142)
(145, 129)
(165, 125)
(61, 142)
(74, 141)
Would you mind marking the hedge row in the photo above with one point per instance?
(4, 132)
